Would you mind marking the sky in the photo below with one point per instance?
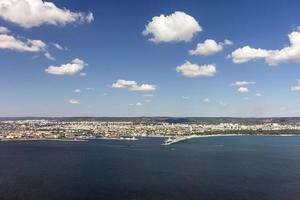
(180, 58)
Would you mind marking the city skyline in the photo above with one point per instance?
(181, 59)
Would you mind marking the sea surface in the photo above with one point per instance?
(225, 168)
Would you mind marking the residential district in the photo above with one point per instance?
(52, 129)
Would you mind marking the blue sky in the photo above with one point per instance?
(158, 77)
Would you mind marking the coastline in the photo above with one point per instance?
(169, 140)
(68, 140)
(115, 138)
(42, 139)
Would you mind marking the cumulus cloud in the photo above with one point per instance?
(194, 70)
(296, 88)
(4, 30)
(133, 86)
(243, 89)
(33, 13)
(209, 47)
(176, 27)
(289, 54)
(74, 101)
(21, 44)
(123, 84)
(247, 53)
(12, 43)
(143, 87)
(67, 69)
(243, 83)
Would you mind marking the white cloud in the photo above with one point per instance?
(123, 84)
(243, 89)
(77, 91)
(33, 13)
(4, 30)
(147, 100)
(74, 101)
(172, 28)
(136, 104)
(139, 104)
(258, 94)
(246, 98)
(227, 42)
(209, 47)
(21, 44)
(143, 87)
(67, 69)
(289, 54)
(296, 88)
(58, 46)
(194, 70)
(89, 89)
(148, 95)
(133, 86)
(28, 45)
(243, 83)
(49, 56)
(83, 74)
(247, 53)
(185, 98)
(206, 100)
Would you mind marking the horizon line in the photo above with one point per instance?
(149, 117)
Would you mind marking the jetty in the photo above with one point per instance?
(177, 139)
(170, 141)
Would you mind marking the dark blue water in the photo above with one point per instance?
(242, 167)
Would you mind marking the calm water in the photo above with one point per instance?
(241, 167)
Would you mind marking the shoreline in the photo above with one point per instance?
(67, 140)
(43, 139)
(172, 139)
(115, 138)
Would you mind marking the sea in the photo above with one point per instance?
(212, 168)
